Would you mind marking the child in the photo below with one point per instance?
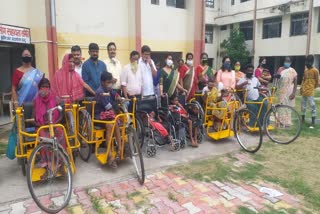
(265, 75)
(106, 99)
(178, 108)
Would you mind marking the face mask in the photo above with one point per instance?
(44, 92)
(227, 65)
(237, 67)
(169, 62)
(134, 66)
(287, 64)
(26, 59)
(204, 61)
(249, 75)
(189, 62)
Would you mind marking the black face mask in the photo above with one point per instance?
(249, 75)
(204, 61)
(26, 59)
(308, 65)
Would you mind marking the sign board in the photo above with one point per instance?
(14, 34)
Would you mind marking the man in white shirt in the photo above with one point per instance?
(131, 77)
(148, 70)
(114, 65)
(251, 83)
(77, 56)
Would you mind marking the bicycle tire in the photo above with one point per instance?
(85, 129)
(279, 115)
(240, 125)
(140, 130)
(67, 167)
(70, 123)
(136, 152)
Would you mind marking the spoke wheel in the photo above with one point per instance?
(85, 130)
(282, 124)
(49, 177)
(135, 154)
(249, 138)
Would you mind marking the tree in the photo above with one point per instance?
(235, 47)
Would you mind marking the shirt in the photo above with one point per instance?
(132, 80)
(78, 69)
(309, 82)
(252, 93)
(147, 80)
(114, 67)
(91, 73)
(103, 101)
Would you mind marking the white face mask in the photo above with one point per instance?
(169, 62)
(189, 62)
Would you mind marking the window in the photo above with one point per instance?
(223, 27)
(299, 24)
(176, 3)
(210, 3)
(241, 1)
(272, 28)
(247, 29)
(155, 2)
(209, 34)
(232, 2)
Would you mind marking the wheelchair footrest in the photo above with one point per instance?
(221, 134)
(102, 158)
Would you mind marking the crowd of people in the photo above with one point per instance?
(143, 78)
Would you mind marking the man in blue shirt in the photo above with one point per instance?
(93, 68)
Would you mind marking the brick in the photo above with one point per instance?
(242, 191)
(201, 188)
(271, 199)
(82, 195)
(191, 208)
(170, 175)
(218, 183)
(121, 211)
(86, 203)
(162, 208)
(227, 196)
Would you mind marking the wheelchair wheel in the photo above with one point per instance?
(140, 131)
(249, 138)
(85, 130)
(135, 154)
(282, 124)
(49, 177)
(70, 123)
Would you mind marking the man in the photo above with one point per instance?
(148, 70)
(131, 77)
(76, 52)
(309, 83)
(114, 65)
(93, 68)
(251, 83)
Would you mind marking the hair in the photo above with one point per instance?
(189, 54)
(167, 55)
(75, 48)
(225, 58)
(181, 60)
(110, 44)
(145, 48)
(93, 46)
(133, 53)
(43, 81)
(310, 58)
(261, 59)
(287, 57)
(70, 56)
(174, 96)
(211, 79)
(106, 76)
(203, 54)
(249, 66)
(235, 62)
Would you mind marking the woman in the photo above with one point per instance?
(287, 88)
(226, 75)
(68, 82)
(204, 72)
(189, 79)
(169, 79)
(25, 80)
(46, 100)
(258, 72)
(238, 73)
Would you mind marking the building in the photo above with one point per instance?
(50, 27)
(283, 28)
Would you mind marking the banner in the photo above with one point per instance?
(14, 34)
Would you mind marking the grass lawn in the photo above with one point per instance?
(295, 167)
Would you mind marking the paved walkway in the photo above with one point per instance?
(165, 192)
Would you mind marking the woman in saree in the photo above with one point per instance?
(169, 79)
(189, 78)
(25, 80)
(287, 88)
(68, 84)
(238, 73)
(204, 72)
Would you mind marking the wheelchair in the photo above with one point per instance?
(92, 136)
(43, 159)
